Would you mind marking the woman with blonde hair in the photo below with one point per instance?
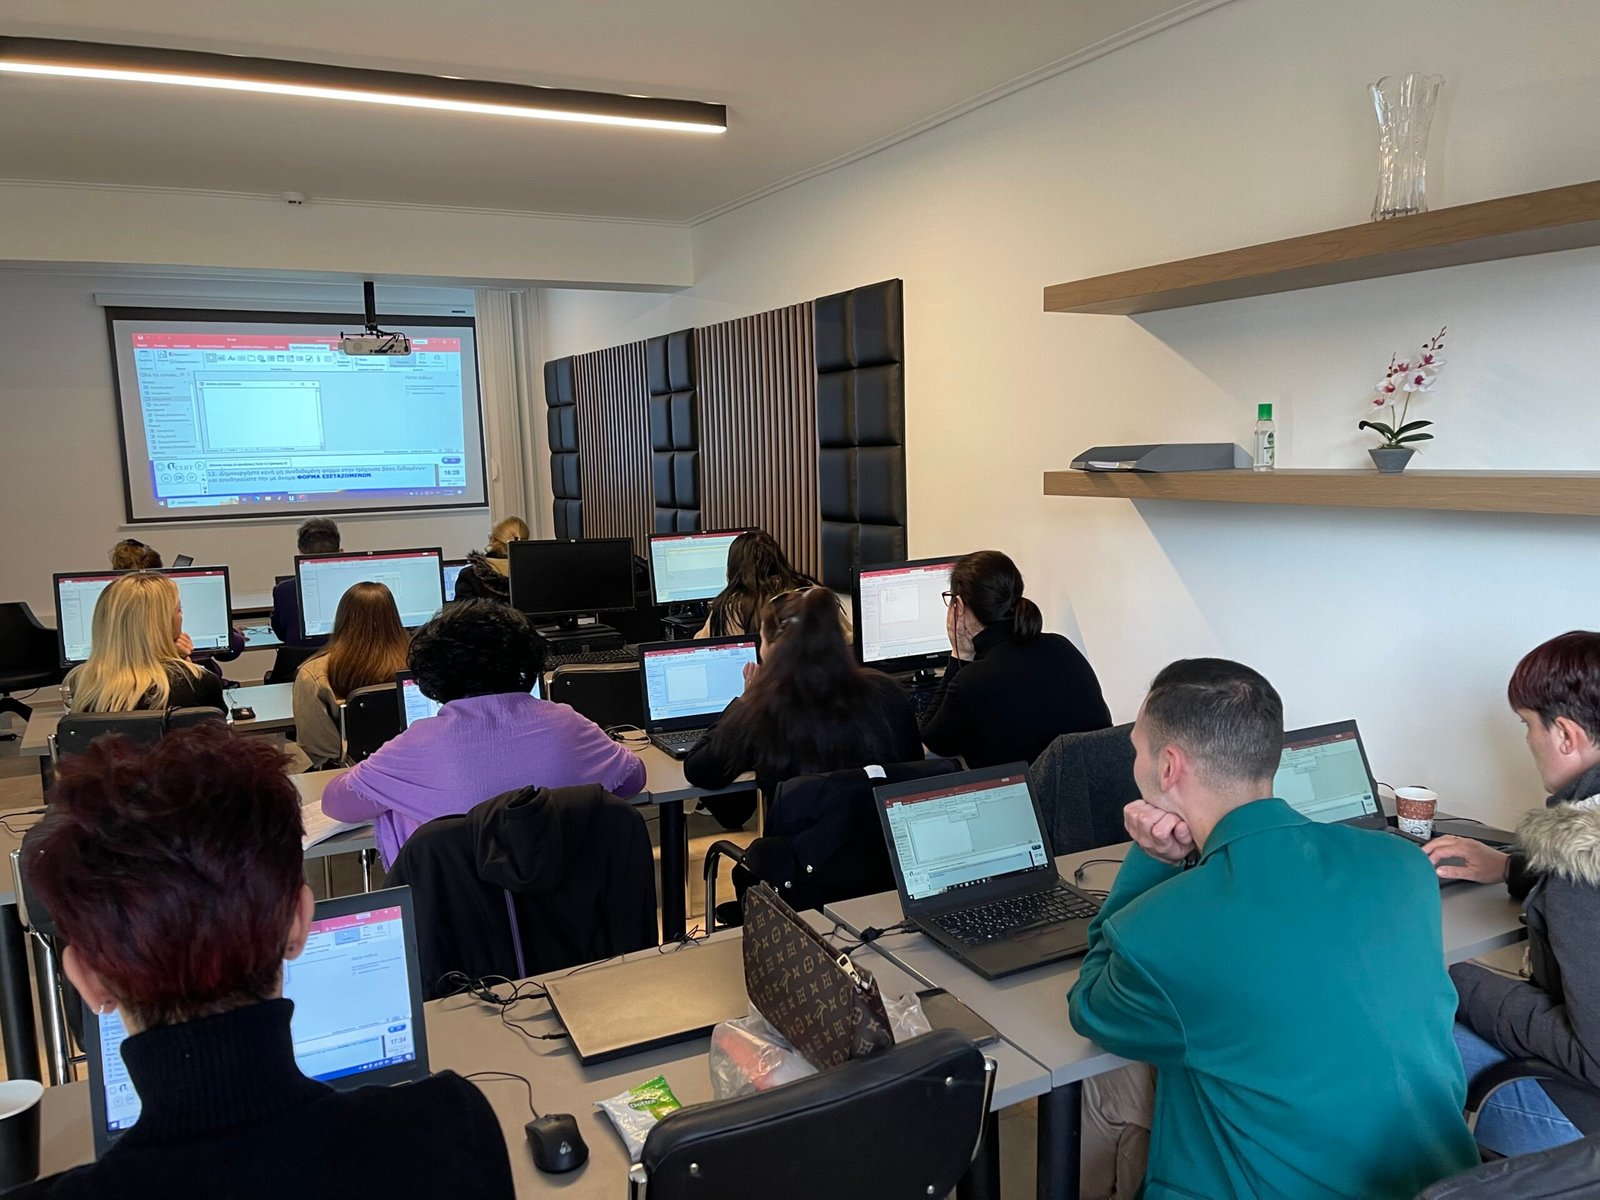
(141, 655)
(487, 576)
(368, 645)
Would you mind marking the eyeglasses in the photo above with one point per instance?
(949, 598)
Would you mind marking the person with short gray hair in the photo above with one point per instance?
(316, 535)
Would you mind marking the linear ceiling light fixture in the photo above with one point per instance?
(319, 81)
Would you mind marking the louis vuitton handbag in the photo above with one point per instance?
(828, 1008)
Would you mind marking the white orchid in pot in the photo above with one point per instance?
(1400, 383)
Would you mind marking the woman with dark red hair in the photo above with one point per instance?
(175, 875)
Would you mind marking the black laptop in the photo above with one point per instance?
(687, 685)
(975, 871)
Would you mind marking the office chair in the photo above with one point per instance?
(368, 718)
(822, 841)
(609, 694)
(905, 1124)
(29, 657)
(1084, 781)
(76, 731)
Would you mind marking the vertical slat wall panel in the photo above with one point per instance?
(758, 397)
(613, 402)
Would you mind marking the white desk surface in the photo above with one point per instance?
(273, 702)
(1030, 1008)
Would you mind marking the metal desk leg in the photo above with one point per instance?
(366, 870)
(982, 1180)
(52, 1013)
(21, 1034)
(1060, 1142)
(45, 774)
(674, 870)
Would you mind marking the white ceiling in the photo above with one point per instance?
(806, 82)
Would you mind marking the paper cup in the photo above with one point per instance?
(19, 1132)
(1414, 808)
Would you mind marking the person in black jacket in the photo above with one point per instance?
(1009, 689)
(175, 873)
(1553, 1014)
(318, 535)
(806, 709)
(487, 576)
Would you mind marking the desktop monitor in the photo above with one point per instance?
(900, 614)
(357, 992)
(689, 566)
(567, 579)
(203, 592)
(1323, 774)
(452, 568)
(414, 706)
(414, 577)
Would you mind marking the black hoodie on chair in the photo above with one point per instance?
(530, 882)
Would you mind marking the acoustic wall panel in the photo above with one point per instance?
(613, 425)
(674, 431)
(758, 428)
(566, 482)
(861, 468)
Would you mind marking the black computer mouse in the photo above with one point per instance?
(243, 713)
(557, 1145)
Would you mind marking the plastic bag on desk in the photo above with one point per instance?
(749, 1055)
(906, 1018)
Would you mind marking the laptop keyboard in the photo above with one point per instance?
(620, 654)
(679, 742)
(1002, 918)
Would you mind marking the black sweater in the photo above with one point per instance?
(713, 764)
(227, 1115)
(1013, 699)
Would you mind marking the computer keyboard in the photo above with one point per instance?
(922, 700)
(620, 654)
(987, 922)
(679, 742)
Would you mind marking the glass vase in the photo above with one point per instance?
(1404, 104)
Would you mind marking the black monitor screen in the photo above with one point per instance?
(561, 579)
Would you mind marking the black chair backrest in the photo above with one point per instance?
(1566, 1171)
(1084, 781)
(76, 731)
(900, 1125)
(27, 647)
(607, 693)
(371, 718)
(288, 661)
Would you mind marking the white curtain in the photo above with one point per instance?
(512, 378)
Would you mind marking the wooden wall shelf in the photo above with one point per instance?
(1564, 218)
(1571, 493)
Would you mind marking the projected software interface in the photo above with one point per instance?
(697, 681)
(1326, 778)
(352, 1007)
(689, 566)
(203, 592)
(266, 419)
(902, 611)
(412, 576)
(958, 836)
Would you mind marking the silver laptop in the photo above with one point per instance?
(688, 684)
(973, 865)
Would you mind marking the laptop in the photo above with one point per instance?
(974, 869)
(357, 992)
(414, 706)
(183, 560)
(687, 685)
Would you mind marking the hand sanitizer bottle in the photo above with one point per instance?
(1266, 439)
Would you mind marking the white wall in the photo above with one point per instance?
(1247, 124)
(60, 460)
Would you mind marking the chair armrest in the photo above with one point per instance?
(718, 849)
(1492, 1079)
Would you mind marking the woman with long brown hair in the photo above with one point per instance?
(757, 571)
(368, 646)
(808, 708)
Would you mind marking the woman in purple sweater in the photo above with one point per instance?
(479, 659)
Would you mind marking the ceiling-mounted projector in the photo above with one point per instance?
(374, 340)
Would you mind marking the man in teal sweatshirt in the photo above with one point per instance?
(1285, 978)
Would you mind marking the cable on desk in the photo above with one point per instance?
(522, 1079)
(630, 736)
(693, 937)
(9, 817)
(483, 990)
(1077, 876)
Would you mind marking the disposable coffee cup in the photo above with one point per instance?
(1414, 808)
(19, 1132)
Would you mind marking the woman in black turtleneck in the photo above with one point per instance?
(175, 875)
(1009, 689)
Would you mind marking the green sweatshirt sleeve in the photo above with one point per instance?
(1116, 1003)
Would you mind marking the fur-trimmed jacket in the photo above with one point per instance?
(1555, 1014)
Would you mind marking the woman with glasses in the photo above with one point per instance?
(1010, 689)
(808, 708)
(487, 576)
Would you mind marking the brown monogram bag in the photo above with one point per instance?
(828, 1008)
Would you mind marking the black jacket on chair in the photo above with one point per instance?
(528, 882)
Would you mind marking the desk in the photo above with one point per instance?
(1030, 1009)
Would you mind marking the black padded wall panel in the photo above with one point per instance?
(674, 431)
(861, 463)
(566, 479)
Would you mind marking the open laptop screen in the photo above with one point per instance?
(1323, 774)
(414, 706)
(690, 681)
(961, 834)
